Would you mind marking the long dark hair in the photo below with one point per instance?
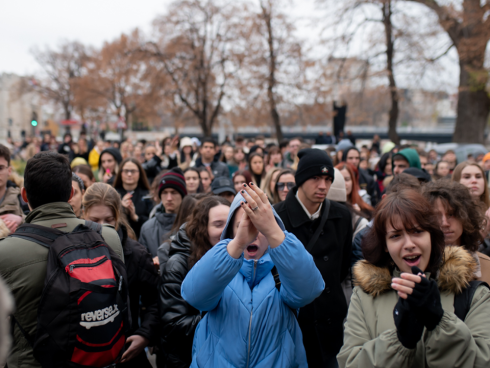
(142, 181)
(197, 227)
(256, 178)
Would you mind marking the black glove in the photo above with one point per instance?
(425, 301)
(408, 328)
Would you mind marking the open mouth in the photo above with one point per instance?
(412, 260)
(252, 249)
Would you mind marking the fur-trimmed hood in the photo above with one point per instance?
(457, 270)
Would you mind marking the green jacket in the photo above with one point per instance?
(370, 338)
(23, 266)
(411, 156)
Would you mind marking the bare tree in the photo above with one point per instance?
(62, 68)
(200, 45)
(467, 23)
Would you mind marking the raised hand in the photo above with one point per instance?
(246, 233)
(260, 212)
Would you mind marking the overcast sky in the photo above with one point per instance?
(25, 24)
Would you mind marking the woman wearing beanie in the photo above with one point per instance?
(109, 161)
(415, 303)
(251, 315)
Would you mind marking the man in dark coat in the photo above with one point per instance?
(308, 214)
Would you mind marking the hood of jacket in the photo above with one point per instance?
(410, 155)
(252, 270)
(114, 152)
(164, 218)
(457, 270)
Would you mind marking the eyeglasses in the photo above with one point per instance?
(281, 186)
(127, 172)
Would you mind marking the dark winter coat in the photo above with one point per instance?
(366, 182)
(322, 321)
(155, 230)
(218, 168)
(143, 283)
(178, 318)
(142, 204)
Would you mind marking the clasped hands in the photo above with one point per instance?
(419, 306)
(258, 217)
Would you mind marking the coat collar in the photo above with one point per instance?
(51, 211)
(296, 214)
(455, 273)
(255, 270)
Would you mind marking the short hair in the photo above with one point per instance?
(413, 210)
(239, 139)
(47, 179)
(283, 144)
(5, 153)
(403, 181)
(259, 138)
(456, 200)
(296, 139)
(208, 140)
(422, 153)
(85, 170)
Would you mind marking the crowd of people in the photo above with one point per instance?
(245, 254)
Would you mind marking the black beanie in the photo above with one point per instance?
(313, 162)
(114, 152)
(173, 179)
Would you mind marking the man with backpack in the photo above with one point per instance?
(24, 262)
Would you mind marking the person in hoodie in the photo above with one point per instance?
(404, 159)
(251, 319)
(157, 229)
(109, 161)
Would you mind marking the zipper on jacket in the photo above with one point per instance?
(99, 262)
(251, 313)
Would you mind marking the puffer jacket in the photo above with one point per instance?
(370, 333)
(154, 231)
(179, 319)
(249, 322)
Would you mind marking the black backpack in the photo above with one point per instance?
(83, 314)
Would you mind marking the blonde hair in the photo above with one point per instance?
(104, 194)
(266, 184)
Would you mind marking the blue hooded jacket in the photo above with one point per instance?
(249, 322)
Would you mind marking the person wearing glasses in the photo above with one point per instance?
(284, 183)
(132, 185)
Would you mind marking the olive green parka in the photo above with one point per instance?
(370, 338)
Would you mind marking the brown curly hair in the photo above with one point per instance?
(457, 200)
(197, 227)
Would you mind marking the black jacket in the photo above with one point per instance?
(218, 168)
(322, 321)
(143, 206)
(179, 319)
(367, 183)
(143, 284)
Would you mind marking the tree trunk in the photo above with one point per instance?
(390, 49)
(271, 80)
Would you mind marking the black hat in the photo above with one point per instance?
(114, 152)
(313, 162)
(173, 179)
(420, 174)
(221, 185)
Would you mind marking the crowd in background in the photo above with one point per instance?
(373, 244)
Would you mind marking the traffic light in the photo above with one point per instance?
(34, 119)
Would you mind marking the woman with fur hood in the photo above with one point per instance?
(440, 314)
(250, 319)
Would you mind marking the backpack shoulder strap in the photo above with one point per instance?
(277, 280)
(462, 301)
(41, 235)
(94, 226)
